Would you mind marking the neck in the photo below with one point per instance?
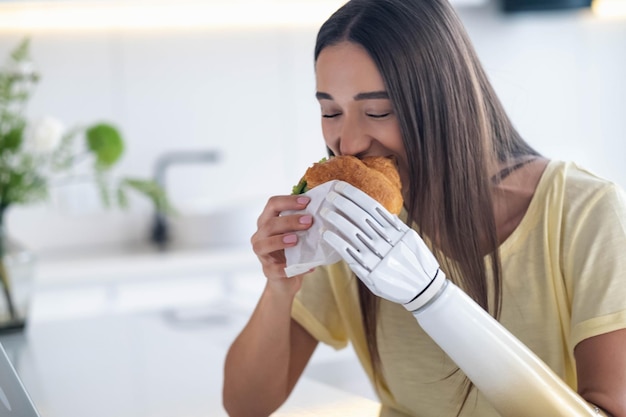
(513, 193)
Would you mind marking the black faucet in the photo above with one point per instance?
(160, 232)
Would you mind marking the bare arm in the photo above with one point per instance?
(601, 367)
(267, 358)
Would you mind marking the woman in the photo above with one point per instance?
(537, 243)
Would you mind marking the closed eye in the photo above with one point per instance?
(330, 116)
(379, 116)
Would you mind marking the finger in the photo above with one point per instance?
(287, 224)
(277, 204)
(356, 230)
(360, 218)
(392, 228)
(271, 222)
(349, 254)
(369, 204)
(357, 243)
(364, 201)
(266, 245)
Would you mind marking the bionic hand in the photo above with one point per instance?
(388, 256)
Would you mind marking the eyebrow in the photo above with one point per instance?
(361, 96)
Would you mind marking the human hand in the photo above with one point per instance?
(275, 233)
(389, 257)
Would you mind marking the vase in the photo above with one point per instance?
(17, 271)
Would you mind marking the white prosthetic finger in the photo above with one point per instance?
(354, 236)
(361, 199)
(385, 224)
(350, 255)
(372, 234)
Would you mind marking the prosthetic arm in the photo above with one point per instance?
(394, 263)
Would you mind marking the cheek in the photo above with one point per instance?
(396, 139)
(388, 133)
(330, 138)
(397, 146)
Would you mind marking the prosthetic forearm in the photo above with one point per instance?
(394, 263)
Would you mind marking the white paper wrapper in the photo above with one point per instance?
(312, 250)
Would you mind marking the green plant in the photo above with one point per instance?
(37, 155)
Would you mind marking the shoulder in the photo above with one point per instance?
(579, 189)
(592, 223)
(580, 211)
(580, 179)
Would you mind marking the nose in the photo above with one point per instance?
(353, 139)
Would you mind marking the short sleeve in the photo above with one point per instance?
(595, 264)
(316, 307)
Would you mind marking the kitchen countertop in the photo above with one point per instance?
(145, 365)
(144, 334)
(136, 261)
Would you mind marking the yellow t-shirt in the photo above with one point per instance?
(564, 280)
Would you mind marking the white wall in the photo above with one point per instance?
(562, 77)
(250, 95)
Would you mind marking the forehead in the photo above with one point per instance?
(347, 68)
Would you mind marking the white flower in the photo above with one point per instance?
(44, 135)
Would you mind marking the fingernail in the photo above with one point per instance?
(331, 196)
(306, 219)
(324, 211)
(290, 239)
(303, 200)
(340, 185)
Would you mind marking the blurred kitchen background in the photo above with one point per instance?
(216, 98)
(236, 78)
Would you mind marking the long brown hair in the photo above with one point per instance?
(454, 129)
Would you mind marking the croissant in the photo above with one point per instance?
(377, 176)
